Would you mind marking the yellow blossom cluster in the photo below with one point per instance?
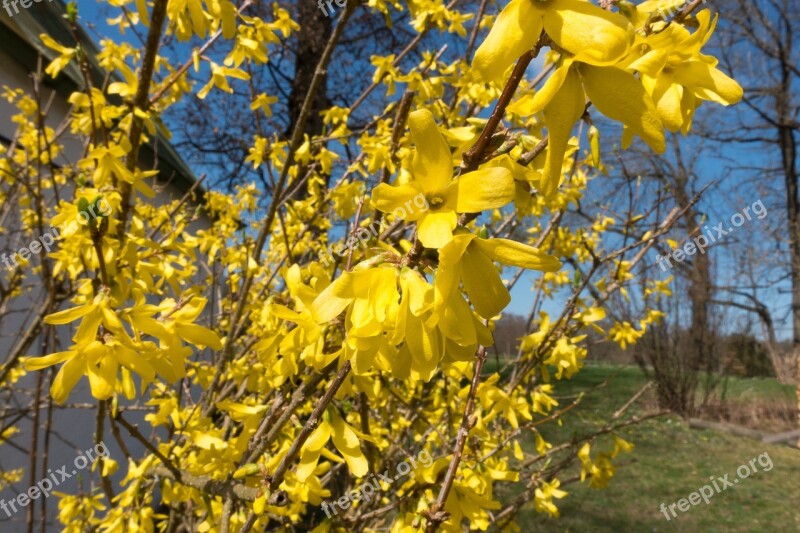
(275, 380)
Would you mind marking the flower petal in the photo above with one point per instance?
(346, 441)
(69, 315)
(667, 96)
(417, 292)
(103, 377)
(383, 297)
(133, 361)
(621, 97)
(650, 63)
(708, 82)
(595, 35)
(436, 229)
(457, 324)
(319, 437)
(515, 31)
(485, 188)
(432, 165)
(66, 379)
(426, 348)
(688, 107)
(38, 363)
(334, 299)
(198, 335)
(87, 331)
(398, 200)
(514, 253)
(448, 275)
(483, 284)
(308, 463)
(560, 115)
(527, 106)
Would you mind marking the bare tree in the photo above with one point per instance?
(673, 355)
(760, 49)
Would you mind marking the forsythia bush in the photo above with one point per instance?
(282, 376)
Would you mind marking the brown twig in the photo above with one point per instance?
(688, 9)
(436, 514)
(134, 432)
(309, 427)
(141, 102)
(473, 157)
(98, 438)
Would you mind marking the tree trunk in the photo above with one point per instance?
(789, 163)
(315, 30)
(699, 291)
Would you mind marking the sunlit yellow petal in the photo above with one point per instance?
(346, 441)
(486, 188)
(383, 292)
(536, 103)
(199, 336)
(69, 315)
(667, 96)
(103, 377)
(432, 165)
(307, 464)
(38, 363)
(515, 31)
(334, 299)
(621, 97)
(398, 200)
(418, 291)
(135, 362)
(650, 63)
(566, 107)
(449, 273)
(688, 107)
(87, 331)
(457, 324)
(319, 437)
(598, 36)
(436, 229)
(708, 82)
(65, 380)
(514, 253)
(483, 284)
(426, 348)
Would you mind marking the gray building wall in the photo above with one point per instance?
(72, 428)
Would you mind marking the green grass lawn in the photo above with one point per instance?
(669, 462)
(738, 389)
